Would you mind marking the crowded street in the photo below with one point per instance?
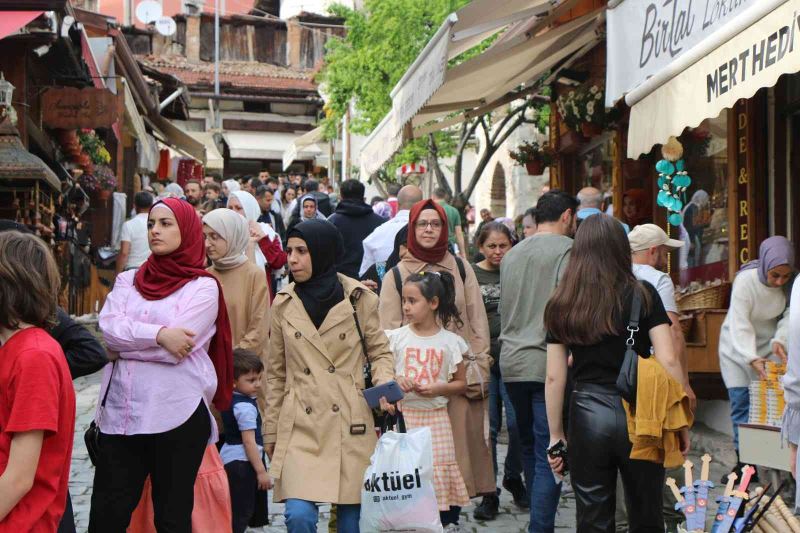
(432, 266)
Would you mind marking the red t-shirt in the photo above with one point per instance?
(36, 393)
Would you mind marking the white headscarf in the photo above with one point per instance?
(232, 227)
(232, 186)
(251, 212)
(317, 214)
(173, 189)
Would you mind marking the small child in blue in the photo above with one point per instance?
(243, 449)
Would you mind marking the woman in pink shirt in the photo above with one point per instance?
(168, 327)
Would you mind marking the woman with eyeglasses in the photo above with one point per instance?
(427, 251)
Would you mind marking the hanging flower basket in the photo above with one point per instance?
(535, 167)
(591, 129)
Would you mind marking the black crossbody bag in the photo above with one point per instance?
(92, 435)
(628, 374)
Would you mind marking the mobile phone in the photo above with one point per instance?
(559, 449)
(389, 390)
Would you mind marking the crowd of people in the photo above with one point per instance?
(248, 316)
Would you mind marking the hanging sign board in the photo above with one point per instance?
(645, 36)
(69, 108)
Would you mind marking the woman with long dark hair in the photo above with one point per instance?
(588, 316)
(168, 326)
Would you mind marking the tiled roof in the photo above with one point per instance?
(239, 74)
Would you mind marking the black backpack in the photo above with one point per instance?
(398, 277)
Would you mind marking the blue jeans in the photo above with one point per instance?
(740, 410)
(302, 516)
(498, 397)
(527, 397)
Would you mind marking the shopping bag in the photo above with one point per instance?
(398, 493)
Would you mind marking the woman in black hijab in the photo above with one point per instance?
(377, 271)
(315, 374)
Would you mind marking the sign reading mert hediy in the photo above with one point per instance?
(70, 108)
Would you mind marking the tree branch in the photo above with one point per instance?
(433, 164)
(467, 131)
(501, 136)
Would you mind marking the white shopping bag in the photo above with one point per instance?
(398, 493)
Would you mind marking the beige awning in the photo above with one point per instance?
(301, 143)
(753, 57)
(173, 136)
(214, 160)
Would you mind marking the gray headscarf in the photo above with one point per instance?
(232, 227)
(773, 252)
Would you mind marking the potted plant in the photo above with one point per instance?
(583, 110)
(106, 180)
(533, 156)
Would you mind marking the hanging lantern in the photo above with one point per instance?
(6, 93)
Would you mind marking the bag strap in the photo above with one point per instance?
(462, 271)
(353, 300)
(390, 421)
(636, 311)
(398, 277)
(108, 387)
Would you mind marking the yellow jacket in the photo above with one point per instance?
(662, 410)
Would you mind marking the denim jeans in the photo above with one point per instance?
(740, 410)
(302, 517)
(527, 397)
(498, 398)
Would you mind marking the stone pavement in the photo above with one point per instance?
(511, 519)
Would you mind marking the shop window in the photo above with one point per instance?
(595, 163)
(704, 256)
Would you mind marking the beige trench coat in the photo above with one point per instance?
(315, 404)
(468, 417)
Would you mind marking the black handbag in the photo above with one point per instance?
(628, 374)
(92, 435)
(390, 421)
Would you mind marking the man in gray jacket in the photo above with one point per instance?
(529, 274)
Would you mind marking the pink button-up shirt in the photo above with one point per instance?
(151, 390)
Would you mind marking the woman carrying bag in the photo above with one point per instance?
(588, 316)
(319, 429)
(427, 251)
(168, 323)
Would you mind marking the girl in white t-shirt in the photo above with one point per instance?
(429, 363)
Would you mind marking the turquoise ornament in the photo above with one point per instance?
(665, 167)
(677, 205)
(680, 165)
(662, 198)
(675, 219)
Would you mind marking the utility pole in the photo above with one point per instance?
(217, 117)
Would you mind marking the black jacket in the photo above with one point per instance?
(85, 355)
(355, 221)
(276, 221)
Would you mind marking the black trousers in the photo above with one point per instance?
(598, 449)
(171, 459)
(243, 484)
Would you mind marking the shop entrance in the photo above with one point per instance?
(793, 182)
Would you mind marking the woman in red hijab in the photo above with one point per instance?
(427, 251)
(167, 327)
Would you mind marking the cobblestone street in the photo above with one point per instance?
(511, 519)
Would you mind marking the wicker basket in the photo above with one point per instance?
(715, 297)
(686, 324)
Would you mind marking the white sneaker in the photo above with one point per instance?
(452, 528)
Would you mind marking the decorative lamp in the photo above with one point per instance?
(6, 93)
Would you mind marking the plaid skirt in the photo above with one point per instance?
(447, 480)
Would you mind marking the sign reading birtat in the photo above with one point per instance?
(71, 108)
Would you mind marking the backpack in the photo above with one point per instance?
(398, 277)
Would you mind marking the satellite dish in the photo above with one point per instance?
(148, 11)
(166, 26)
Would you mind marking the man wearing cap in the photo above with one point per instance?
(649, 248)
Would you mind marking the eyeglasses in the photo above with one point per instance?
(434, 224)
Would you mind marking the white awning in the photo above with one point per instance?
(265, 145)
(214, 160)
(482, 82)
(757, 51)
(461, 31)
(299, 144)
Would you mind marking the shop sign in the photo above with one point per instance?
(644, 37)
(742, 187)
(70, 108)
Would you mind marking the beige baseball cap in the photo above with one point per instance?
(646, 236)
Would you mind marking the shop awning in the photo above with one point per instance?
(262, 145)
(299, 144)
(177, 138)
(751, 52)
(483, 82)
(11, 21)
(214, 160)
